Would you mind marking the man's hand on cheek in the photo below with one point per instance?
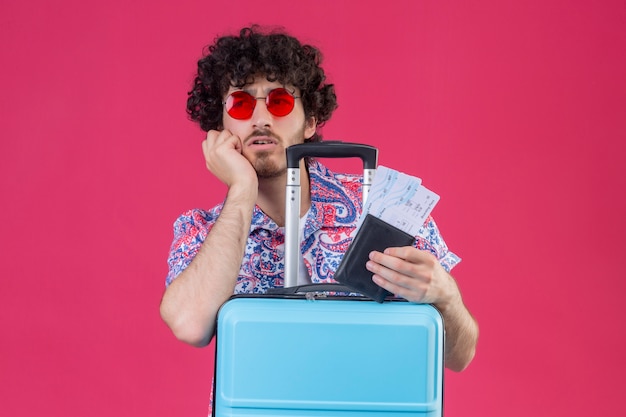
(222, 153)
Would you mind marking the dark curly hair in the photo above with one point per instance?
(236, 60)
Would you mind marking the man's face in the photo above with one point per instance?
(264, 136)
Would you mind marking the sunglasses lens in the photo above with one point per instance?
(240, 105)
(280, 102)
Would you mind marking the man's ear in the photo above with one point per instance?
(310, 127)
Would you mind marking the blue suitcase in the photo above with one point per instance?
(307, 352)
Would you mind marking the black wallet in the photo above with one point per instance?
(374, 234)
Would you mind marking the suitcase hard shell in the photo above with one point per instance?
(306, 353)
(328, 357)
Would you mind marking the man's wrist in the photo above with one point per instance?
(243, 192)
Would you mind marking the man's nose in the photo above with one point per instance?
(261, 117)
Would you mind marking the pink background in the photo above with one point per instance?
(513, 111)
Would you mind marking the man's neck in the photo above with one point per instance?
(271, 197)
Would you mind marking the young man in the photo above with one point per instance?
(256, 94)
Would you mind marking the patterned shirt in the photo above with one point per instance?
(329, 228)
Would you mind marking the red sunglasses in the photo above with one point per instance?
(240, 105)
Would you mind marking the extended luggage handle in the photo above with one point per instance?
(332, 149)
(326, 149)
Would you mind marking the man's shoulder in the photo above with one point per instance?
(205, 218)
(198, 216)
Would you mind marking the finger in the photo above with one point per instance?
(391, 271)
(406, 263)
(411, 293)
(209, 142)
(218, 141)
(387, 285)
(411, 254)
(231, 141)
(212, 136)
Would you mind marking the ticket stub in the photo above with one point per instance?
(399, 199)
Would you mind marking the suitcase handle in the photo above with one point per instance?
(332, 149)
(328, 149)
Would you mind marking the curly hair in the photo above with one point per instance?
(236, 60)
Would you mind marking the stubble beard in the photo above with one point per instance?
(266, 165)
(267, 168)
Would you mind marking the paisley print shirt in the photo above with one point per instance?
(329, 227)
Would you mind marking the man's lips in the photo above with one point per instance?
(261, 140)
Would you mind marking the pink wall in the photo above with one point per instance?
(515, 112)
